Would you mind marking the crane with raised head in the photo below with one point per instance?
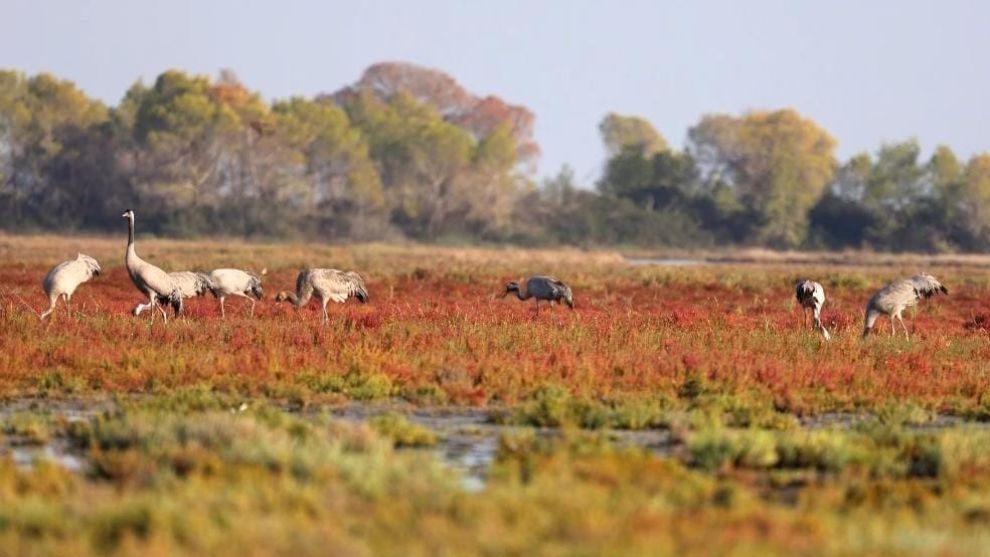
(149, 279)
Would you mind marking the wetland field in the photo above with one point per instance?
(682, 408)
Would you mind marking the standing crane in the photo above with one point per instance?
(895, 297)
(63, 279)
(150, 280)
(327, 285)
(543, 288)
(190, 285)
(811, 295)
(235, 282)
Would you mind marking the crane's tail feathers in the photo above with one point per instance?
(254, 288)
(203, 284)
(175, 300)
(362, 295)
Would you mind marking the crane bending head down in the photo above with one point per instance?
(543, 288)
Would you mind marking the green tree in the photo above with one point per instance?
(777, 164)
(335, 178)
(620, 133)
(972, 204)
(203, 159)
(495, 186)
(39, 117)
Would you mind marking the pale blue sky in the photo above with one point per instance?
(867, 71)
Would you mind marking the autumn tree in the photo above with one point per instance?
(479, 116)
(776, 165)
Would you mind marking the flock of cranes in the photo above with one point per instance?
(891, 300)
(170, 289)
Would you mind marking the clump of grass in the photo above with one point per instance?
(716, 449)
(30, 428)
(555, 406)
(402, 432)
(904, 413)
(355, 383)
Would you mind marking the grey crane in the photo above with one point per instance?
(326, 284)
(150, 280)
(63, 279)
(895, 297)
(811, 295)
(235, 282)
(190, 285)
(542, 288)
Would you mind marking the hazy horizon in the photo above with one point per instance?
(886, 71)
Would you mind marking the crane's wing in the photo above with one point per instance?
(49, 279)
(558, 288)
(190, 284)
(157, 280)
(927, 285)
(339, 285)
(357, 287)
(93, 264)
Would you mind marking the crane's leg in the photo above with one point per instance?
(893, 329)
(223, 314)
(824, 331)
(906, 334)
(553, 312)
(153, 306)
(326, 317)
(52, 301)
(68, 308)
(161, 309)
(537, 306)
(245, 296)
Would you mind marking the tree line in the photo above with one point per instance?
(406, 152)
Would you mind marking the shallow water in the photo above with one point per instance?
(667, 262)
(468, 440)
(57, 451)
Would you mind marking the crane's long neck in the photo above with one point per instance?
(521, 295)
(288, 297)
(870, 320)
(131, 255)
